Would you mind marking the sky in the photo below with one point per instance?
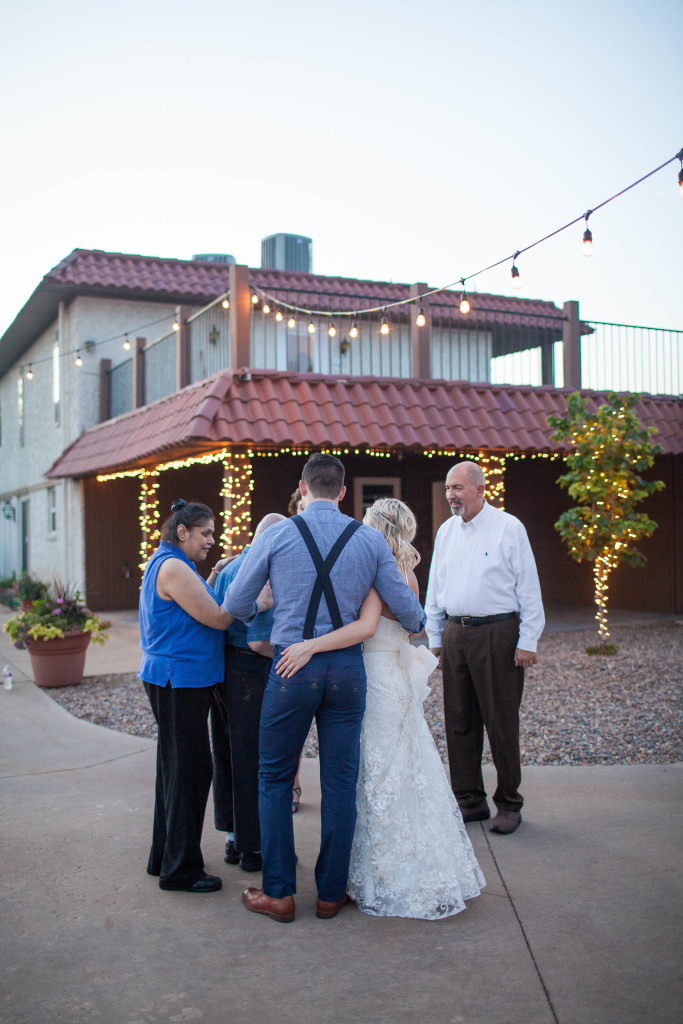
(411, 142)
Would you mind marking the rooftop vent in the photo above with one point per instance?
(214, 257)
(287, 252)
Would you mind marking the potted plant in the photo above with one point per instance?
(29, 588)
(56, 631)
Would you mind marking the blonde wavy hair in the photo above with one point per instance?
(398, 525)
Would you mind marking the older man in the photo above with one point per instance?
(484, 618)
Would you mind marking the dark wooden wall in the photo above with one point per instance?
(113, 536)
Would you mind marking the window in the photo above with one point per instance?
(367, 489)
(52, 510)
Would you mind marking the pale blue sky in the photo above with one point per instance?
(410, 141)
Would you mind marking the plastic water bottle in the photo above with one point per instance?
(7, 678)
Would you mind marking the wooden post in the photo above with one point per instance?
(182, 348)
(420, 337)
(571, 339)
(105, 390)
(240, 317)
(139, 373)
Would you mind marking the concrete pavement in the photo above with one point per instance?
(579, 922)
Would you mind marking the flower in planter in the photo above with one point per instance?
(56, 615)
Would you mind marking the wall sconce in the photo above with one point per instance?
(344, 345)
(9, 511)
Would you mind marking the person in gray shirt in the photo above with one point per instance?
(321, 565)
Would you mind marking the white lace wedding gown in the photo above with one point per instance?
(411, 855)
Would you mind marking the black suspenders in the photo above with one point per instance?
(323, 584)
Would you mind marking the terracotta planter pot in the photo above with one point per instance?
(59, 662)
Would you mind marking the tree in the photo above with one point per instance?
(609, 449)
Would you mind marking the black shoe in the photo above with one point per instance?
(207, 883)
(479, 813)
(251, 862)
(231, 854)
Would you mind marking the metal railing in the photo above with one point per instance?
(209, 342)
(625, 357)
(160, 368)
(121, 388)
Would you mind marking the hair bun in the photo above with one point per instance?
(178, 503)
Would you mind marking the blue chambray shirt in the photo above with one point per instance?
(238, 634)
(281, 556)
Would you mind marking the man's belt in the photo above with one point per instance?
(479, 620)
(246, 650)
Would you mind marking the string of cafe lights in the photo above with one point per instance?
(271, 301)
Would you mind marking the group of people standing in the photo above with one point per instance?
(314, 620)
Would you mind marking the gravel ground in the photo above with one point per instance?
(577, 709)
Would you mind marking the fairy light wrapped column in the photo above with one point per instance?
(149, 515)
(236, 491)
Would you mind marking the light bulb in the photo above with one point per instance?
(29, 373)
(311, 327)
(421, 319)
(353, 333)
(266, 307)
(176, 325)
(254, 298)
(384, 326)
(680, 181)
(278, 316)
(587, 243)
(225, 303)
(291, 322)
(126, 343)
(464, 304)
(78, 361)
(516, 281)
(332, 330)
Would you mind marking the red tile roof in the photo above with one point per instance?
(309, 410)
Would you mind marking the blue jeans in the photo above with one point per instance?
(331, 688)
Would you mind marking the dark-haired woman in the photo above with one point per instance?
(181, 635)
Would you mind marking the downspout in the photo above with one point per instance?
(66, 433)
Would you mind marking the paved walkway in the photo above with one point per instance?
(579, 922)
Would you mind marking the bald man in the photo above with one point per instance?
(484, 618)
(235, 724)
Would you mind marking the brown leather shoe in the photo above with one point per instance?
(505, 822)
(479, 813)
(326, 910)
(281, 909)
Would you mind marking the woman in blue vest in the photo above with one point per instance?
(181, 635)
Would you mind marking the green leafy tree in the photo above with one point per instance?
(608, 451)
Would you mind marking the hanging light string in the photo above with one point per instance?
(468, 277)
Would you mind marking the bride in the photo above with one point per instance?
(411, 855)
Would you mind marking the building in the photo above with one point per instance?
(205, 380)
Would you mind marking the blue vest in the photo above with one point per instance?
(175, 646)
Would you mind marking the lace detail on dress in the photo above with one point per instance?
(411, 855)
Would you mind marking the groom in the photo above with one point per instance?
(321, 566)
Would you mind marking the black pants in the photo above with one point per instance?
(183, 780)
(235, 734)
(482, 687)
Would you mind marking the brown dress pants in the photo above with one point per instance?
(482, 687)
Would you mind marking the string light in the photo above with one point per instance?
(291, 322)
(225, 303)
(176, 325)
(78, 361)
(464, 301)
(266, 308)
(384, 326)
(311, 327)
(680, 174)
(587, 236)
(29, 372)
(332, 330)
(126, 344)
(353, 333)
(420, 319)
(516, 280)
(254, 298)
(149, 514)
(279, 316)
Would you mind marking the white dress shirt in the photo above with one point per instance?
(484, 567)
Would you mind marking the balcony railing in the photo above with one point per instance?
(624, 357)
(160, 368)
(121, 388)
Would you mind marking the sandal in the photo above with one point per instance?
(295, 799)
